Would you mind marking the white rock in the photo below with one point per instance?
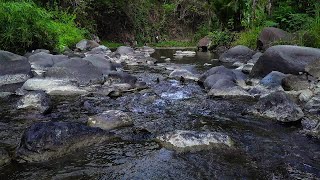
(305, 95)
(181, 139)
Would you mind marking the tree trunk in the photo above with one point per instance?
(269, 7)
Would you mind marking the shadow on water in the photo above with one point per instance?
(263, 148)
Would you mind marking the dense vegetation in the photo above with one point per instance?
(56, 24)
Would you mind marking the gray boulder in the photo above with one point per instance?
(77, 70)
(277, 106)
(48, 140)
(238, 53)
(286, 59)
(110, 120)
(217, 70)
(86, 45)
(102, 50)
(36, 100)
(269, 35)
(44, 60)
(295, 83)
(255, 57)
(101, 63)
(14, 71)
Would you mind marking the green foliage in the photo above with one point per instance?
(311, 37)
(25, 26)
(248, 38)
(220, 38)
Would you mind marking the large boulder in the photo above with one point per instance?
(182, 140)
(277, 106)
(110, 120)
(44, 60)
(100, 62)
(86, 45)
(204, 44)
(217, 70)
(14, 71)
(239, 53)
(286, 59)
(77, 70)
(48, 140)
(36, 100)
(269, 35)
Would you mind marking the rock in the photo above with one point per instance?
(121, 77)
(247, 68)
(277, 106)
(311, 126)
(38, 101)
(237, 64)
(124, 50)
(53, 86)
(27, 55)
(286, 59)
(4, 157)
(269, 35)
(305, 95)
(219, 81)
(77, 70)
(101, 63)
(86, 45)
(146, 49)
(255, 57)
(178, 73)
(238, 53)
(313, 105)
(217, 70)
(111, 119)
(230, 92)
(182, 140)
(273, 80)
(184, 53)
(48, 140)
(204, 44)
(295, 83)
(14, 71)
(102, 50)
(44, 60)
(314, 68)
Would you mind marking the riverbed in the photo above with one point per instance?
(263, 149)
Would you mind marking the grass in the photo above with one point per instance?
(248, 38)
(112, 45)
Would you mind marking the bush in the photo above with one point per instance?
(248, 38)
(220, 38)
(25, 26)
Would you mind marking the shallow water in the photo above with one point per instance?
(264, 149)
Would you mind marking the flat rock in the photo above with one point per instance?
(182, 140)
(36, 100)
(110, 120)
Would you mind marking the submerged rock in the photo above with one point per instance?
(277, 106)
(37, 100)
(48, 140)
(182, 140)
(110, 120)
